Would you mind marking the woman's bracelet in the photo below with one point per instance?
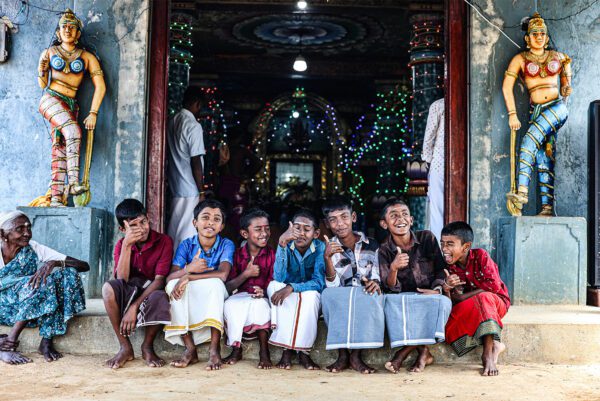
(331, 277)
(511, 112)
(94, 112)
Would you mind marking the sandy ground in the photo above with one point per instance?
(84, 378)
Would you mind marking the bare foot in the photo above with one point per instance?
(214, 361)
(359, 365)
(498, 349)
(152, 360)
(189, 357)
(425, 358)
(340, 364)
(46, 348)
(124, 355)
(489, 365)
(234, 357)
(308, 363)
(265, 360)
(395, 363)
(286, 360)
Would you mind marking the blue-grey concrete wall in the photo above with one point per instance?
(117, 31)
(490, 53)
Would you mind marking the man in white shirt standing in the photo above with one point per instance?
(185, 165)
(433, 153)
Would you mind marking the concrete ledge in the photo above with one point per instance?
(537, 334)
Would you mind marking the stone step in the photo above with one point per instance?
(536, 334)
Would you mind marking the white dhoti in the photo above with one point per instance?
(435, 203)
(294, 322)
(245, 315)
(180, 220)
(197, 311)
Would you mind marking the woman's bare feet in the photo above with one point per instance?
(234, 357)
(395, 363)
(423, 359)
(46, 348)
(359, 365)
(341, 364)
(124, 355)
(286, 360)
(265, 359)
(498, 349)
(308, 363)
(152, 360)
(189, 357)
(10, 354)
(214, 360)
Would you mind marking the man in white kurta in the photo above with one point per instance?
(433, 153)
(184, 169)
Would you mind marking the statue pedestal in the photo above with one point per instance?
(79, 232)
(543, 260)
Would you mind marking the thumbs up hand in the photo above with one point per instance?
(197, 265)
(451, 281)
(291, 234)
(252, 270)
(401, 260)
(331, 248)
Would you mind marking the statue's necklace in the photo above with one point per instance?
(541, 61)
(68, 57)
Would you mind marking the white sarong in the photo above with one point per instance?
(294, 322)
(197, 311)
(245, 315)
(180, 220)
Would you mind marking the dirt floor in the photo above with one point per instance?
(84, 378)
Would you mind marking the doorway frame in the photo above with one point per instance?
(456, 80)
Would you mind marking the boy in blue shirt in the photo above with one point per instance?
(295, 292)
(196, 286)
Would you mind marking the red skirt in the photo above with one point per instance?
(474, 318)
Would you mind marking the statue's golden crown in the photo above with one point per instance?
(69, 17)
(536, 22)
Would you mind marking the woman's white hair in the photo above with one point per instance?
(6, 218)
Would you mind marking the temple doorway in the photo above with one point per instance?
(306, 103)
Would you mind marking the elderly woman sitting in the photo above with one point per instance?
(36, 288)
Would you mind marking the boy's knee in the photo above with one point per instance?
(108, 293)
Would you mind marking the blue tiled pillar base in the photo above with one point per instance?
(543, 260)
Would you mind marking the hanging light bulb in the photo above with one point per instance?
(302, 5)
(295, 114)
(300, 64)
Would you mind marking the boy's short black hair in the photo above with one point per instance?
(389, 203)
(334, 203)
(459, 229)
(307, 214)
(250, 215)
(129, 209)
(212, 204)
(194, 94)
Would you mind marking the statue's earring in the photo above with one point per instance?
(76, 41)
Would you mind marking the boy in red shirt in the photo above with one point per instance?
(248, 312)
(479, 296)
(136, 296)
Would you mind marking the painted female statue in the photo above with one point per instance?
(541, 70)
(61, 70)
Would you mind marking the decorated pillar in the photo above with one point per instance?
(427, 65)
(180, 59)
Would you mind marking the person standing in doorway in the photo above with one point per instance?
(433, 153)
(185, 165)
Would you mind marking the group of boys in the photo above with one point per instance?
(419, 293)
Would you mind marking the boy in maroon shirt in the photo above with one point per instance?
(248, 312)
(136, 296)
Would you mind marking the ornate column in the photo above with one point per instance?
(427, 65)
